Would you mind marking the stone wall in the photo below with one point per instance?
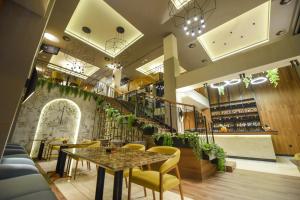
(27, 122)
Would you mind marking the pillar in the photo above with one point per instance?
(21, 33)
(171, 71)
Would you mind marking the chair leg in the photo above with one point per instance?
(145, 192)
(126, 182)
(181, 193)
(153, 194)
(129, 184)
(75, 169)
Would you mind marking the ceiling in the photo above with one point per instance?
(151, 19)
(103, 21)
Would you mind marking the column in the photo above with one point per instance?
(21, 34)
(171, 71)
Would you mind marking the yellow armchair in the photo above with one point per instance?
(160, 180)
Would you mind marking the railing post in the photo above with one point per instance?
(171, 121)
(195, 118)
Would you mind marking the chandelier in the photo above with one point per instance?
(191, 15)
(117, 43)
(76, 49)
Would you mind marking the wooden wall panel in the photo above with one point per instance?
(278, 107)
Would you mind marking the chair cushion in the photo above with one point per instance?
(43, 195)
(22, 185)
(17, 156)
(25, 161)
(12, 170)
(14, 147)
(150, 179)
(14, 151)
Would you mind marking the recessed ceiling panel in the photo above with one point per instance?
(243, 32)
(103, 21)
(155, 66)
(60, 63)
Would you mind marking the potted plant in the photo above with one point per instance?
(131, 120)
(148, 129)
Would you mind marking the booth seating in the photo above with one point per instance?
(19, 177)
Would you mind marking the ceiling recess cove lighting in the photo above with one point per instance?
(243, 32)
(179, 3)
(103, 20)
(51, 37)
(258, 80)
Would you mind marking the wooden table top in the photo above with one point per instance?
(118, 159)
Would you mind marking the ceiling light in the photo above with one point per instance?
(192, 45)
(258, 80)
(193, 33)
(218, 85)
(203, 25)
(187, 33)
(199, 31)
(202, 20)
(233, 81)
(185, 27)
(191, 14)
(51, 37)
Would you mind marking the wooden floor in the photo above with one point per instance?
(242, 184)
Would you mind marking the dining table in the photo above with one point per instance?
(113, 159)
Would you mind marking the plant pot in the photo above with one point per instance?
(148, 131)
(177, 142)
(159, 142)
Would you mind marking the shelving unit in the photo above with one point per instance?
(236, 116)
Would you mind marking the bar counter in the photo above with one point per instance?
(248, 145)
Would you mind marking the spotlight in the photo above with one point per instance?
(203, 25)
(258, 80)
(185, 27)
(202, 20)
(189, 21)
(187, 33)
(199, 31)
(233, 81)
(196, 18)
(193, 33)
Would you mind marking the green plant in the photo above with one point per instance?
(247, 80)
(167, 138)
(131, 120)
(198, 144)
(214, 151)
(273, 76)
(221, 90)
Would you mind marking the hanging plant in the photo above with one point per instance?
(49, 86)
(247, 80)
(273, 76)
(131, 120)
(61, 90)
(221, 90)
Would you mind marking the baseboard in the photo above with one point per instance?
(250, 158)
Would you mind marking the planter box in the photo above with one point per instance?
(179, 143)
(192, 168)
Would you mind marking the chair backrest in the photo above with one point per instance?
(171, 162)
(95, 144)
(139, 147)
(85, 141)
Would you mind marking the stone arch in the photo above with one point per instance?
(59, 118)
